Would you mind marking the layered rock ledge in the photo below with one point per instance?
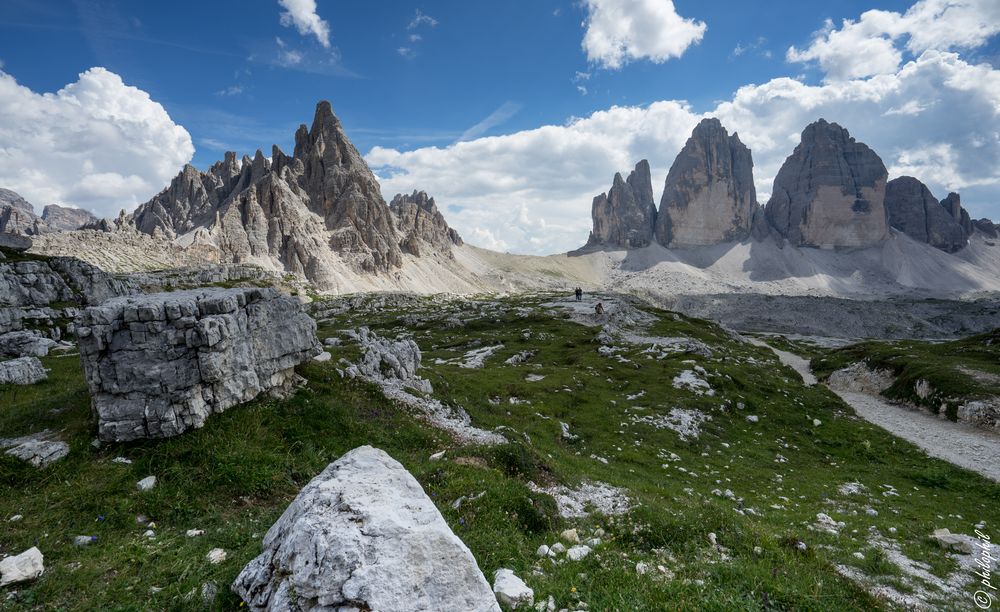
(160, 364)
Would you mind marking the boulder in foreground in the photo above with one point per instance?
(363, 535)
(21, 568)
(160, 364)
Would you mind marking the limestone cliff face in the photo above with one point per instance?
(301, 213)
(953, 204)
(17, 216)
(625, 215)
(709, 196)
(915, 212)
(64, 219)
(830, 192)
(422, 225)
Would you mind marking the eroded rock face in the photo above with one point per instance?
(709, 196)
(830, 192)
(298, 213)
(953, 204)
(987, 228)
(160, 364)
(17, 215)
(625, 216)
(915, 212)
(422, 225)
(64, 218)
(363, 535)
(42, 282)
(21, 343)
(388, 362)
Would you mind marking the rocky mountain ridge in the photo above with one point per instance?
(832, 192)
(17, 216)
(307, 214)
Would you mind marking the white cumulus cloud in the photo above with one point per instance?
(97, 143)
(302, 15)
(619, 31)
(875, 43)
(532, 190)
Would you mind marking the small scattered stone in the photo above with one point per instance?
(510, 590)
(84, 540)
(570, 536)
(578, 552)
(146, 483)
(216, 556)
(543, 551)
(194, 533)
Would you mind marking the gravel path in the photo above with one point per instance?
(791, 360)
(957, 443)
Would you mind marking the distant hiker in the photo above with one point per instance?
(599, 309)
(579, 294)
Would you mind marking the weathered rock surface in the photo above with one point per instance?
(953, 204)
(915, 212)
(22, 371)
(511, 591)
(17, 215)
(21, 568)
(422, 225)
(625, 216)
(160, 364)
(392, 365)
(363, 535)
(830, 192)
(40, 450)
(14, 242)
(40, 282)
(302, 214)
(987, 228)
(388, 362)
(25, 343)
(64, 218)
(709, 196)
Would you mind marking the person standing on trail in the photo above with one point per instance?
(599, 309)
(579, 294)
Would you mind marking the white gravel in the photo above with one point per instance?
(791, 360)
(956, 443)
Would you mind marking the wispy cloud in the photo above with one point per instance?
(282, 53)
(232, 90)
(421, 19)
(406, 52)
(301, 14)
(757, 46)
(499, 116)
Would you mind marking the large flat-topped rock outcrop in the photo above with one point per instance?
(160, 364)
(830, 192)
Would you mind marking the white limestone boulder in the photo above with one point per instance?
(363, 535)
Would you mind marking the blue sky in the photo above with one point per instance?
(409, 80)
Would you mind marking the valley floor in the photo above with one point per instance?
(710, 474)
